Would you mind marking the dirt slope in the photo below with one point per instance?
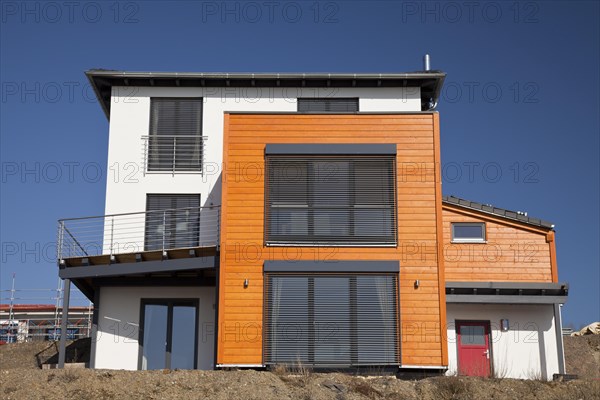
(20, 378)
(582, 356)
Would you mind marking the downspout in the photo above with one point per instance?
(63, 323)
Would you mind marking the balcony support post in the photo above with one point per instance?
(63, 323)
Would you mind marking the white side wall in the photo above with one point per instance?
(527, 351)
(119, 317)
(127, 185)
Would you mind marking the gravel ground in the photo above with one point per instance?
(226, 385)
(582, 356)
(20, 378)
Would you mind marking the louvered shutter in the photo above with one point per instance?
(333, 105)
(333, 200)
(172, 221)
(175, 142)
(331, 320)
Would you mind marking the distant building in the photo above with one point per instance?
(39, 322)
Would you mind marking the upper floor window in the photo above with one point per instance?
(331, 104)
(175, 143)
(331, 200)
(468, 232)
(172, 221)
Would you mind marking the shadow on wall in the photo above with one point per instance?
(542, 349)
(214, 197)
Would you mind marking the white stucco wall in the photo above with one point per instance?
(127, 185)
(119, 317)
(527, 351)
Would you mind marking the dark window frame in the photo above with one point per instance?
(162, 148)
(155, 217)
(313, 207)
(169, 303)
(312, 337)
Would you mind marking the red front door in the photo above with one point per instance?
(473, 339)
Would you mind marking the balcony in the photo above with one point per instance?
(173, 154)
(141, 236)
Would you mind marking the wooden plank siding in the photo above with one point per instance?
(242, 228)
(513, 251)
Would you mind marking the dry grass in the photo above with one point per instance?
(297, 374)
(364, 388)
(452, 388)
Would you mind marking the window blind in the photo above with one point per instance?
(175, 142)
(333, 104)
(172, 221)
(332, 200)
(331, 320)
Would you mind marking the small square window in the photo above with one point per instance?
(468, 232)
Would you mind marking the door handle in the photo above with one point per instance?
(487, 354)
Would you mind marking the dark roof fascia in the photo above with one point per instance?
(507, 292)
(102, 81)
(496, 211)
(507, 299)
(508, 285)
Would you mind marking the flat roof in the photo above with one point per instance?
(102, 81)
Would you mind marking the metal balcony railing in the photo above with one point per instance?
(136, 232)
(173, 154)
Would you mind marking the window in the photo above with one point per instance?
(175, 143)
(172, 221)
(333, 104)
(331, 200)
(331, 320)
(168, 335)
(468, 232)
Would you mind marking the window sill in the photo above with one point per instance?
(469, 241)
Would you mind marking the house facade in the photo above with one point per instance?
(253, 220)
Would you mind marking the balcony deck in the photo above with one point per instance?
(151, 255)
(166, 247)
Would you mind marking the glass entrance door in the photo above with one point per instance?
(169, 334)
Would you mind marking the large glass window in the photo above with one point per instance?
(321, 319)
(337, 200)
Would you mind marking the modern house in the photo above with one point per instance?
(261, 219)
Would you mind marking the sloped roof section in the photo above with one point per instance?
(500, 212)
(102, 81)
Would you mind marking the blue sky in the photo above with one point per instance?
(519, 111)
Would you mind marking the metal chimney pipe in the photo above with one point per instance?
(426, 62)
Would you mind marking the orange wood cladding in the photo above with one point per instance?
(422, 310)
(513, 252)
